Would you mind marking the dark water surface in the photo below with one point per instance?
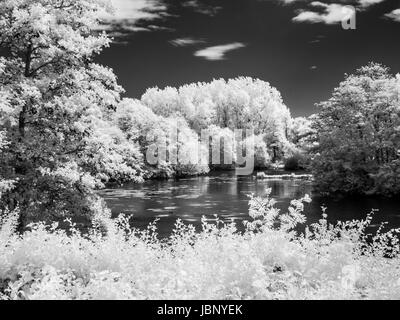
(226, 195)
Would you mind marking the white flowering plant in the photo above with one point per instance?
(269, 260)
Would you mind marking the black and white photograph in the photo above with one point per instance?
(199, 150)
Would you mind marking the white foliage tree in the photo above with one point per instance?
(55, 103)
(242, 103)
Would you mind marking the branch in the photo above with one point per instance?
(34, 71)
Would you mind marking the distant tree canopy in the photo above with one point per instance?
(235, 104)
(358, 132)
(144, 128)
(241, 103)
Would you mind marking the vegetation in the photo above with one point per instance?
(144, 128)
(69, 133)
(56, 109)
(65, 132)
(358, 144)
(270, 260)
(242, 103)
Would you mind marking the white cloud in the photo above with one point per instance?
(218, 52)
(394, 15)
(289, 1)
(183, 42)
(367, 3)
(361, 3)
(201, 8)
(127, 13)
(332, 13)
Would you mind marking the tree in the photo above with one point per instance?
(358, 135)
(303, 138)
(241, 103)
(55, 105)
(183, 155)
(262, 159)
(5, 185)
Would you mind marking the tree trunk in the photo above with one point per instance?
(27, 74)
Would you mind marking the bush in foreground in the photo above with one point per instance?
(268, 261)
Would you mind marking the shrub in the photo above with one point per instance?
(270, 260)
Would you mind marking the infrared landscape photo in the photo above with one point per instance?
(199, 150)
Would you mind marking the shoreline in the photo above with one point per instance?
(268, 174)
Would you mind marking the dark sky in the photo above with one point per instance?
(304, 61)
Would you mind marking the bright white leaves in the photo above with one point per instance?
(358, 134)
(241, 103)
(59, 107)
(167, 143)
(51, 26)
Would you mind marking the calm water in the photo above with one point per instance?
(226, 195)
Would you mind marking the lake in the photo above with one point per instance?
(226, 195)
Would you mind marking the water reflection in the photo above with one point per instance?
(227, 195)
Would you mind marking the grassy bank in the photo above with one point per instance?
(268, 261)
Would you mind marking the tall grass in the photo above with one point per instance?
(270, 260)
